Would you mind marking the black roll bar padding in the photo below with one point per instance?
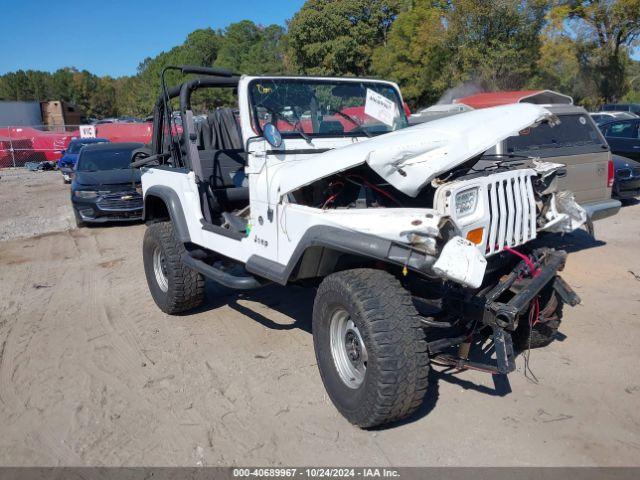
(188, 135)
(187, 88)
(213, 71)
(179, 91)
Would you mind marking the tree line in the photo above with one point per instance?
(579, 47)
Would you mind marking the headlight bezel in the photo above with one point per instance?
(472, 202)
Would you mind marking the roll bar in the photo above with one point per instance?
(162, 114)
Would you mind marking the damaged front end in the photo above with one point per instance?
(446, 223)
(420, 188)
(502, 308)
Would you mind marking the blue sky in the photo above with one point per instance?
(113, 36)
(110, 37)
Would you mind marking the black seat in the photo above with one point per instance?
(224, 184)
(223, 160)
(223, 168)
(220, 131)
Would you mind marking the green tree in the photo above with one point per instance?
(415, 53)
(249, 48)
(633, 72)
(605, 30)
(200, 48)
(339, 36)
(494, 43)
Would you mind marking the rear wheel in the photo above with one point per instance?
(370, 347)
(174, 287)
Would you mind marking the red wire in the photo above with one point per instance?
(534, 313)
(333, 197)
(377, 189)
(532, 268)
(330, 199)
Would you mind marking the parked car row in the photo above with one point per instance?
(623, 137)
(604, 117)
(104, 187)
(69, 157)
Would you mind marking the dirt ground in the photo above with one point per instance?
(92, 373)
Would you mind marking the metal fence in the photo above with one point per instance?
(42, 145)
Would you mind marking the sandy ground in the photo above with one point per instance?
(33, 203)
(92, 373)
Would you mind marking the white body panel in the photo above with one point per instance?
(408, 159)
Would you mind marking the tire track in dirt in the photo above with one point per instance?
(118, 352)
(28, 323)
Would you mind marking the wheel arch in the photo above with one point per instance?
(162, 203)
(321, 249)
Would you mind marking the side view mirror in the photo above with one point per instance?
(272, 135)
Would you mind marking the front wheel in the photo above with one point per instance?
(370, 347)
(174, 286)
(545, 327)
(78, 219)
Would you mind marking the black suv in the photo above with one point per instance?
(622, 107)
(105, 188)
(623, 137)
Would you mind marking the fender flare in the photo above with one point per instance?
(171, 200)
(344, 241)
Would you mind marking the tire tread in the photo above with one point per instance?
(396, 336)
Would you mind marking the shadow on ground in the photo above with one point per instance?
(296, 302)
(571, 242)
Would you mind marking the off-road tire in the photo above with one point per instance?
(185, 287)
(545, 331)
(396, 376)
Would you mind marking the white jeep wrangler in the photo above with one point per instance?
(421, 246)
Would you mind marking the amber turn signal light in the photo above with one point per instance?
(475, 236)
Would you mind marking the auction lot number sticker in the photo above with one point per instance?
(318, 472)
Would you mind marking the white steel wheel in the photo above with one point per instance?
(160, 269)
(348, 349)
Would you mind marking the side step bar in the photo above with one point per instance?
(244, 282)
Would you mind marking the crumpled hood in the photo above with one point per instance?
(410, 158)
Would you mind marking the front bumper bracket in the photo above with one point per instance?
(502, 317)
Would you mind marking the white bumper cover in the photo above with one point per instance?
(461, 261)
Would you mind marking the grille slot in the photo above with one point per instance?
(120, 202)
(512, 209)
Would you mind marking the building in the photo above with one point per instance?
(19, 114)
(59, 115)
(493, 99)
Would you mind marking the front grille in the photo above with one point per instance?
(636, 172)
(512, 208)
(119, 202)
